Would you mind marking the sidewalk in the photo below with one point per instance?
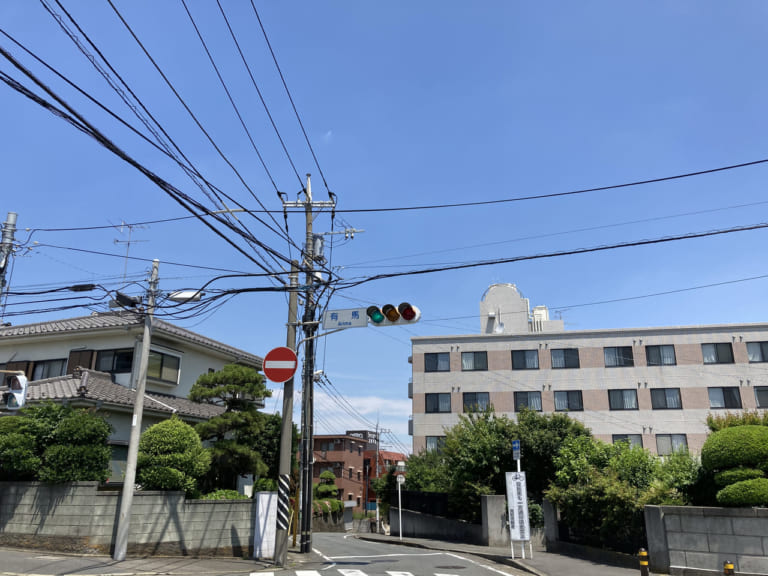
(543, 563)
(18, 562)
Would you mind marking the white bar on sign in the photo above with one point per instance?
(279, 364)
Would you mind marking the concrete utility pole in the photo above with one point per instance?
(309, 326)
(126, 501)
(6, 247)
(286, 431)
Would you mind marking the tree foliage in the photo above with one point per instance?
(171, 457)
(243, 440)
(54, 443)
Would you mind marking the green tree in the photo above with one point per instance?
(243, 440)
(427, 472)
(171, 457)
(54, 443)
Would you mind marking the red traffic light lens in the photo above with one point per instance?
(407, 311)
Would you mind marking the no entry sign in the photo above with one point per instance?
(280, 364)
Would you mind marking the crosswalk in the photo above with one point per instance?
(346, 572)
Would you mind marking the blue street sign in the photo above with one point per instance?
(516, 449)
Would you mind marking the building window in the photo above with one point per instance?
(435, 443)
(725, 397)
(568, 401)
(525, 359)
(474, 361)
(717, 353)
(476, 401)
(663, 355)
(163, 367)
(666, 399)
(437, 362)
(668, 443)
(114, 361)
(350, 473)
(530, 400)
(761, 396)
(565, 358)
(49, 369)
(437, 403)
(757, 351)
(618, 356)
(622, 399)
(633, 439)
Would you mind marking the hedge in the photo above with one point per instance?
(727, 477)
(746, 493)
(739, 446)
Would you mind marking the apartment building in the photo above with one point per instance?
(343, 455)
(651, 386)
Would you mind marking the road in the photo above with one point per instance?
(344, 555)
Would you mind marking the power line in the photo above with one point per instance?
(481, 263)
(290, 98)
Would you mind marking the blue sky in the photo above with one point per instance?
(407, 104)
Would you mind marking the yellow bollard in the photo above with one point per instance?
(728, 568)
(642, 555)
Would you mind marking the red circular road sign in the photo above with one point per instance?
(280, 364)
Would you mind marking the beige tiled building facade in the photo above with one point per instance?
(652, 386)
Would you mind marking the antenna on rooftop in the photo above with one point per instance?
(128, 242)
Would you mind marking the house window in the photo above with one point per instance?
(476, 401)
(717, 353)
(474, 361)
(437, 403)
(565, 358)
(437, 362)
(761, 396)
(530, 400)
(666, 399)
(525, 359)
(114, 361)
(663, 355)
(618, 356)
(725, 397)
(568, 401)
(757, 351)
(622, 399)
(633, 439)
(668, 443)
(350, 473)
(49, 369)
(435, 443)
(163, 367)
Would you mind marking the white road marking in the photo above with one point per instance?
(351, 572)
(307, 573)
(399, 573)
(386, 555)
(478, 564)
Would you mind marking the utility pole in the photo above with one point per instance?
(309, 326)
(286, 431)
(126, 501)
(6, 247)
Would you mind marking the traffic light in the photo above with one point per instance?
(17, 396)
(388, 315)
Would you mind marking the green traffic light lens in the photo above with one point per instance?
(375, 315)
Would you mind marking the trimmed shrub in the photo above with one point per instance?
(738, 446)
(66, 463)
(746, 493)
(727, 477)
(18, 458)
(224, 495)
(165, 478)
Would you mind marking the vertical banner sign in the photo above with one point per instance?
(517, 499)
(265, 529)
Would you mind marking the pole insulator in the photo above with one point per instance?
(728, 567)
(642, 556)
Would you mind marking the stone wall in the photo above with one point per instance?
(78, 517)
(696, 541)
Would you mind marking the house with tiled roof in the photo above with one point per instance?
(93, 362)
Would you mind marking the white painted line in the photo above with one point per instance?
(352, 572)
(399, 573)
(307, 573)
(280, 364)
(478, 564)
(386, 556)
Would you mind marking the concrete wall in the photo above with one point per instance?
(78, 517)
(695, 541)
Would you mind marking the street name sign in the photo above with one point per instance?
(349, 318)
(280, 364)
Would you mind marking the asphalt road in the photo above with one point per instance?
(344, 555)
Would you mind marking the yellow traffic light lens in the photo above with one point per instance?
(390, 312)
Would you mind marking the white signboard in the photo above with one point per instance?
(517, 499)
(266, 525)
(350, 318)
